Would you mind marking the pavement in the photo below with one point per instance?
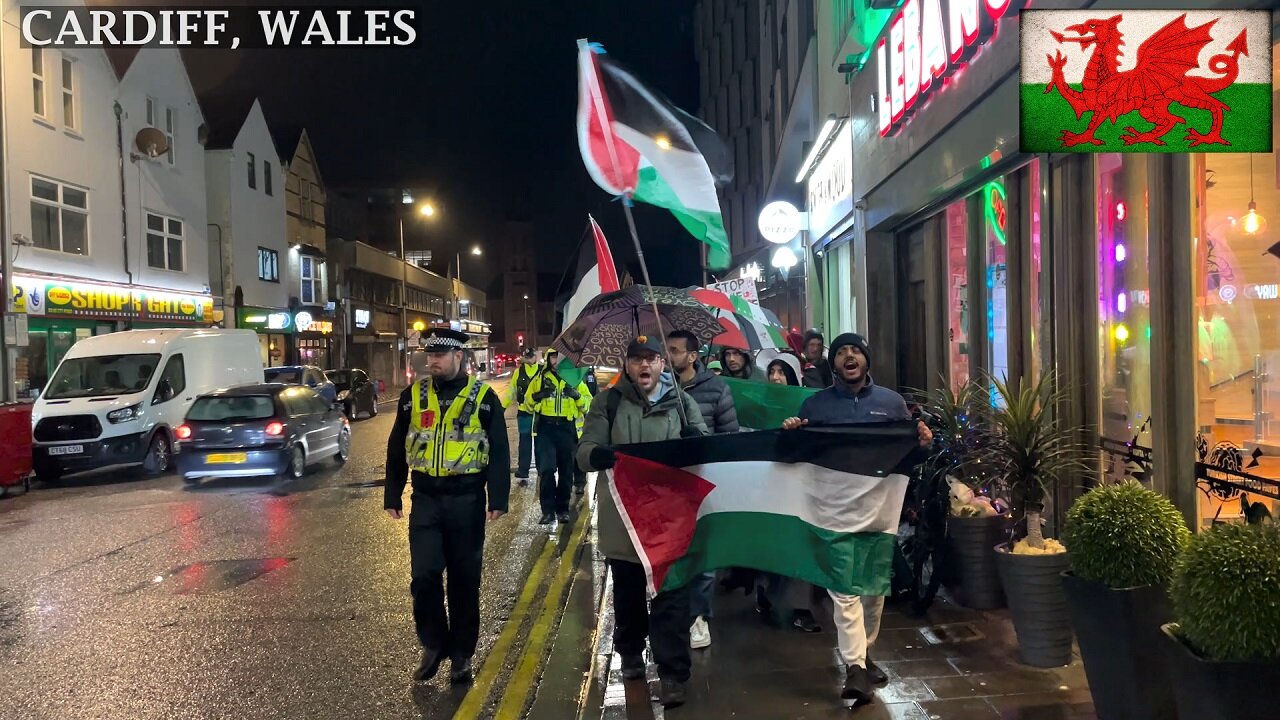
(130, 597)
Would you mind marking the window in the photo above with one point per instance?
(37, 81)
(266, 177)
(304, 203)
(312, 274)
(170, 132)
(268, 265)
(151, 112)
(253, 172)
(69, 105)
(297, 402)
(173, 380)
(164, 243)
(59, 217)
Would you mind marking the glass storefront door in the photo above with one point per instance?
(957, 289)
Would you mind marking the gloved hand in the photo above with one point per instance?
(602, 457)
(571, 393)
(689, 431)
(542, 394)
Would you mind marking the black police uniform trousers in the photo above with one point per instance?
(446, 531)
(556, 443)
(524, 452)
(665, 621)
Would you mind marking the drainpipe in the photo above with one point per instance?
(224, 282)
(124, 203)
(8, 355)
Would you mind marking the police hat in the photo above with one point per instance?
(443, 340)
(528, 353)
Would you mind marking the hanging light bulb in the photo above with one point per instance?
(1122, 333)
(1252, 223)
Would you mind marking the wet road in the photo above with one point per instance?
(138, 598)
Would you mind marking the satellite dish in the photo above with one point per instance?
(151, 142)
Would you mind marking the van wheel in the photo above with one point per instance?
(158, 455)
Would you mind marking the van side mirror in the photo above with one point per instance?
(164, 392)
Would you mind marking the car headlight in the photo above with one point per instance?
(344, 394)
(127, 414)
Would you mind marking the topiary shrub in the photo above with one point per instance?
(1225, 591)
(1125, 535)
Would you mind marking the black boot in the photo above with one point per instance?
(632, 667)
(547, 518)
(857, 687)
(429, 666)
(461, 671)
(671, 693)
(875, 674)
(563, 516)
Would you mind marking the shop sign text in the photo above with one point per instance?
(38, 296)
(928, 41)
(362, 319)
(831, 185)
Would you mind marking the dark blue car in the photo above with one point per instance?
(260, 431)
(305, 375)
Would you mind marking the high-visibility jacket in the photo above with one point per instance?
(520, 380)
(454, 443)
(555, 404)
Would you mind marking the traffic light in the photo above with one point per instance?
(520, 339)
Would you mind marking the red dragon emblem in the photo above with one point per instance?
(1158, 80)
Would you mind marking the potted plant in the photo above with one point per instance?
(1125, 540)
(1031, 451)
(1223, 653)
(975, 524)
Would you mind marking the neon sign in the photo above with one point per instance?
(997, 210)
(928, 41)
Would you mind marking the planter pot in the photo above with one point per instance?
(969, 542)
(1033, 586)
(1120, 641)
(1208, 690)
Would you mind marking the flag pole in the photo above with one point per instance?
(653, 300)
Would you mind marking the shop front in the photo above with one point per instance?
(374, 341)
(275, 332)
(59, 312)
(831, 236)
(314, 339)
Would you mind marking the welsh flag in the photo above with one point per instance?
(635, 142)
(1146, 81)
(818, 504)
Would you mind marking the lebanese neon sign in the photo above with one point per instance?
(928, 41)
(997, 210)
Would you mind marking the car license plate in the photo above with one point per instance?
(66, 450)
(227, 458)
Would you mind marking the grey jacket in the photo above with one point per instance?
(714, 399)
(637, 421)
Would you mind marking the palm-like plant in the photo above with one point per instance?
(962, 429)
(1031, 449)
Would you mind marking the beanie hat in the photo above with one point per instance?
(844, 339)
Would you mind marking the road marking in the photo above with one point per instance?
(516, 695)
(480, 690)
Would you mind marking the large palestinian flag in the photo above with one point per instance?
(818, 504)
(635, 142)
(1146, 81)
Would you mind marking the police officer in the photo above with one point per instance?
(557, 405)
(525, 372)
(450, 434)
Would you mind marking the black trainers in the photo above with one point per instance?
(522, 481)
(547, 519)
(875, 674)
(804, 622)
(857, 687)
(632, 667)
(563, 516)
(671, 693)
(429, 666)
(460, 672)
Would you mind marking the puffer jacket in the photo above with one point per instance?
(715, 400)
(636, 421)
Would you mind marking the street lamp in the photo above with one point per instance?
(526, 317)
(457, 276)
(425, 210)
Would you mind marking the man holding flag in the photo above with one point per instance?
(645, 406)
(854, 398)
(556, 405)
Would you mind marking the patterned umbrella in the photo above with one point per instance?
(744, 325)
(611, 321)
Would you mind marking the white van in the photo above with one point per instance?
(115, 398)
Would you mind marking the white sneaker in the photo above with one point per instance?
(699, 634)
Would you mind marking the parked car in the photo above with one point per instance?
(356, 392)
(115, 399)
(306, 375)
(260, 430)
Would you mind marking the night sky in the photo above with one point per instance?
(482, 111)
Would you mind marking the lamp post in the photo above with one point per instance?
(457, 276)
(425, 210)
(526, 318)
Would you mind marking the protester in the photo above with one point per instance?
(556, 406)
(715, 368)
(855, 398)
(646, 405)
(715, 401)
(736, 363)
(819, 375)
(451, 434)
(593, 389)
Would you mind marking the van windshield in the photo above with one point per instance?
(102, 375)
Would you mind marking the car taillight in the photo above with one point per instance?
(183, 432)
(275, 429)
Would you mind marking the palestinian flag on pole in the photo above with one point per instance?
(1201, 78)
(594, 278)
(635, 142)
(818, 504)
